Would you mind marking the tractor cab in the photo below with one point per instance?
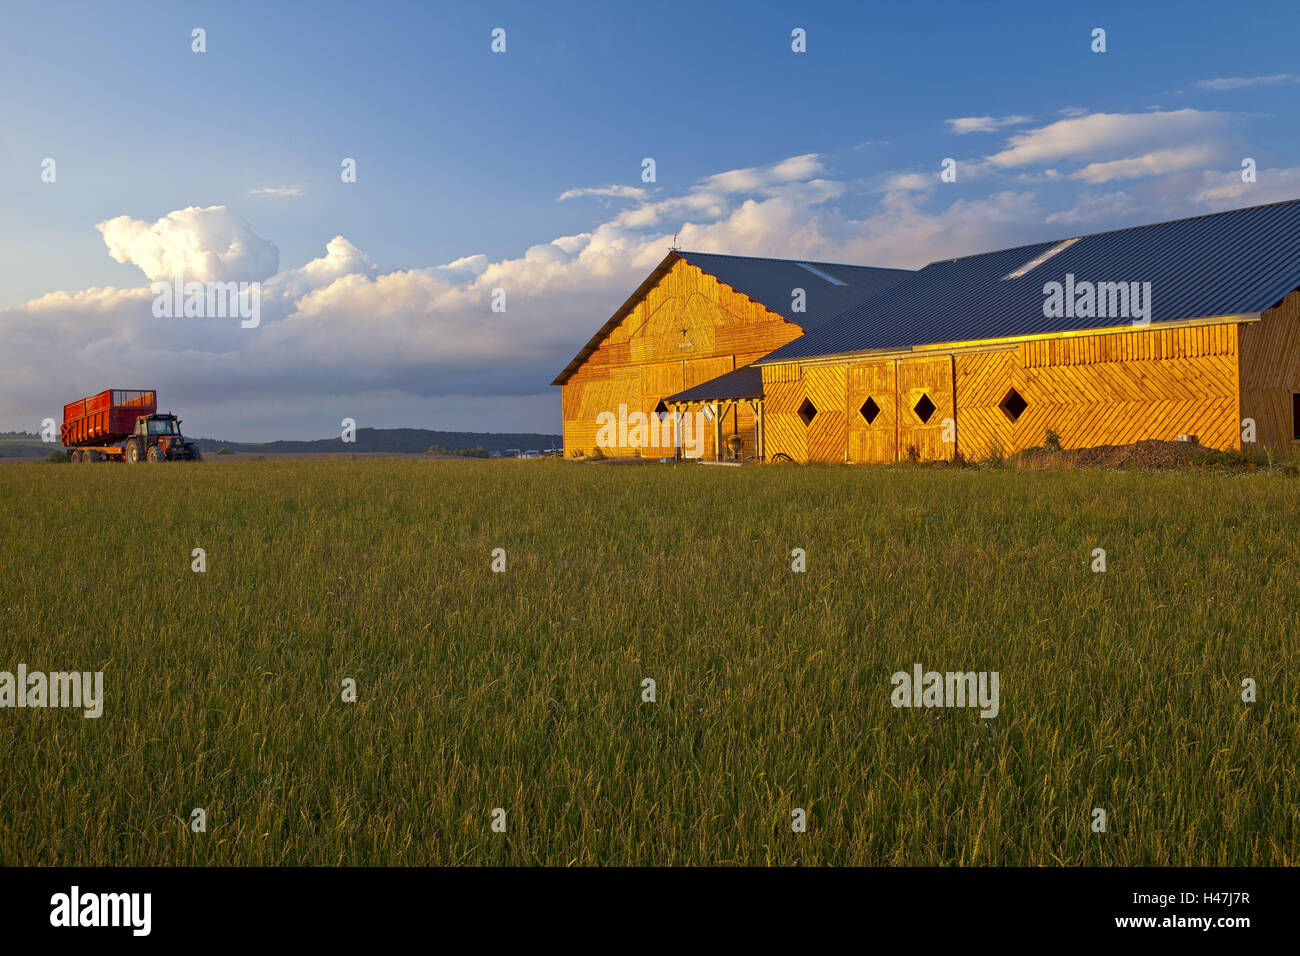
(159, 438)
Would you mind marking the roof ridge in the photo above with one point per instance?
(811, 262)
(1111, 232)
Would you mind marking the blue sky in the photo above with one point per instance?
(462, 153)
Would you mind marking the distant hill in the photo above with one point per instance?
(25, 445)
(405, 440)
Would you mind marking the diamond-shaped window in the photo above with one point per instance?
(870, 410)
(924, 408)
(1013, 405)
(662, 412)
(807, 411)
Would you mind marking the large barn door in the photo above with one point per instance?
(824, 390)
(925, 412)
(624, 390)
(785, 432)
(657, 382)
(873, 412)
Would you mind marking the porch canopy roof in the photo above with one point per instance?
(737, 385)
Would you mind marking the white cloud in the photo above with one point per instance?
(985, 124)
(203, 245)
(759, 178)
(906, 182)
(1106, 136)
(609, 192)
(275, 191)
(1219, 191)
(341, 258)
(1241, 82)
(1152, 164)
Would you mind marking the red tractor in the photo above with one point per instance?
(124, 425)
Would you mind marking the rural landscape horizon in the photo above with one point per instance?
(570, 437)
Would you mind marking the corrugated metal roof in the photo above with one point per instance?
(772, 282)
(1229, 263)
(769, 282)
(741, 383)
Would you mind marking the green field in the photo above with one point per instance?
(522, 690)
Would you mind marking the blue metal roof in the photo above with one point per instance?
(1228, 263)
(744, 382)
(829, 287)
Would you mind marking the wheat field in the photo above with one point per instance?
(523, 690)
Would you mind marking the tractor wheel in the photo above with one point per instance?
(132, 454)
(155, 454)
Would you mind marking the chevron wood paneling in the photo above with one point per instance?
(1121, 388)
(1270, 376)
(931, 377)
(785, 432)
(824, 386)
(877, 441)
(689, 320)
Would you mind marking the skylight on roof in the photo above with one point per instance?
(821, 275)
(1039, 259)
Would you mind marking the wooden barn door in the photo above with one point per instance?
(873, 412)
(824, 388)
(657, 382)
(925, 408)
(784, 432)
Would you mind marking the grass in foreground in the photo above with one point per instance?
(522, 690)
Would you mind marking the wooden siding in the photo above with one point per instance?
(824, 387)
(877, 440)
(642, 360)
(1111, 388)
(1270, 376)
(918, 379)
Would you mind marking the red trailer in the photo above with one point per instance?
(121, 424)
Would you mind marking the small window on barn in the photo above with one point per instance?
(1295, 417)
(807, 411)
(870, 410)
(1013, 405)
(924, 408)
(661, 412)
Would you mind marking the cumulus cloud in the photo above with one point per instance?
(341, 259)
(202, 244)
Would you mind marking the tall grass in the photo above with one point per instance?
(522, 690)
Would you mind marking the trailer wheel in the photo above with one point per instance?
(132, 453)
(75, 457)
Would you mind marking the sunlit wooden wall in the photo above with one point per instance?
(644, 359)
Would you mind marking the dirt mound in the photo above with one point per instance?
(1143, 454)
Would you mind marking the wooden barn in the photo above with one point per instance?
(1185, 328)
(698, 316)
